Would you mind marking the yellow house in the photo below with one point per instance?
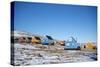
(89, 45)
(35, 40)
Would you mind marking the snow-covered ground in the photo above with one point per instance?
(26, 54)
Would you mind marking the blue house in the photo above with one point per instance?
(44, 41)
(47, 40)
(72, 44)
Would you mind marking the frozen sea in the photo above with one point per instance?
(28, 55)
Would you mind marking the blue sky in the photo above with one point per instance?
(58, 21)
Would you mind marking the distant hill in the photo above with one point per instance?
(17, 33)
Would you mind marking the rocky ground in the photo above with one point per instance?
(27, 54)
